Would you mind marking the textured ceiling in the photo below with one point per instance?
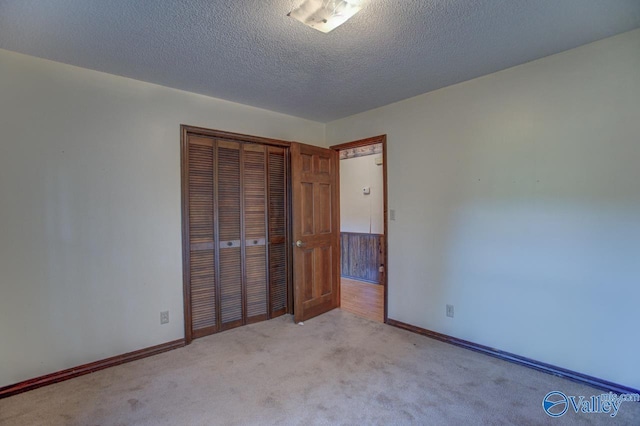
(249, 51)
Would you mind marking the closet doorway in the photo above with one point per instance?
(235, 214)
(363, 227)
(260, 229)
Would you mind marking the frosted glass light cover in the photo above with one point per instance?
(326, 15)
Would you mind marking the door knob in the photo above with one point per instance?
(299, 243)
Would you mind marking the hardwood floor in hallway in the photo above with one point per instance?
(363, 299)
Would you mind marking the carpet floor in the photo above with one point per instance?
(334, 369)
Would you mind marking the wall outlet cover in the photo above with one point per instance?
(450, 311)
(164, 317)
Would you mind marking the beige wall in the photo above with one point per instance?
(361, 212)
(90, 238)
(517, 199)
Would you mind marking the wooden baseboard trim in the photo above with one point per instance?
(517, 359)
(63, 375)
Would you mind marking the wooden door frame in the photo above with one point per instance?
(381, 139)
(185, 131)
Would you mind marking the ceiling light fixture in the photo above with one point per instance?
(325, 15)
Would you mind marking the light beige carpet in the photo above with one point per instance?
(335, 369)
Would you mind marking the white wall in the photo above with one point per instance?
(90, 238)
(517, 199)
(361, 212)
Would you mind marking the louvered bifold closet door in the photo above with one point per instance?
(230, 234)
(201, 236)
(255, 231)
(277, 214)
(236, 264)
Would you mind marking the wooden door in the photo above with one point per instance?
(242, 227)
(254, 181)
(199, 237)
(316, 230)
(229, 223)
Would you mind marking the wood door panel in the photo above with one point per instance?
(324, 261)
(315, 228)
(230, 234)
(278, 277)
(230, 285)
(202, 290)
(317, 270)
(256, 266)
(307, 198)
(324, 164)
(308, 272)
(324, 206)
(307, 162)
(255, 232)
(277, 235)
(318, 306)
(254, 193)
(228, 180)
(200, 194)
(277, 195)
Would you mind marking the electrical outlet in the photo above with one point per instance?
(392, 214)
(164, 317)
(450, 311)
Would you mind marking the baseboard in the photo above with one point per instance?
(517, 359)
(60, 376)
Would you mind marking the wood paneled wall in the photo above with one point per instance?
(362, 255)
